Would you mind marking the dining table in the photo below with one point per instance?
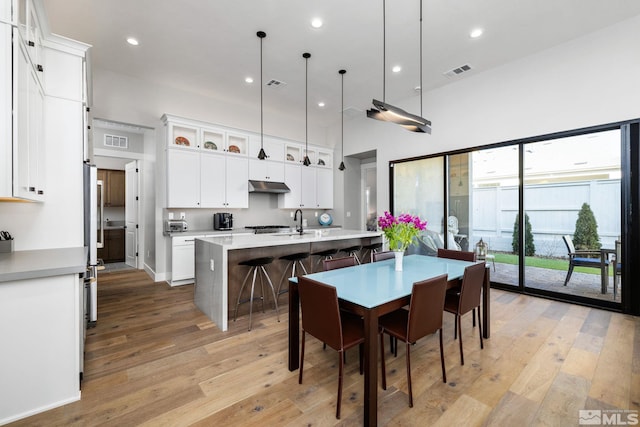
(372, 290)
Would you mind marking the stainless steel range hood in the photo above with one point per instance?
(268, 187)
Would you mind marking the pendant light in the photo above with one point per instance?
(342, 166)
(306, 160)
(389, 113)
(261, 155)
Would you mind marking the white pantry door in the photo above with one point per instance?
(131, 213)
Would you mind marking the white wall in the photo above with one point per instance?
(589, 81)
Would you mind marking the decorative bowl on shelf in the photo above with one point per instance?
(210, 145)
(290, 158)
(321, 162)
(325, 219)
(181, 140)
(234, 149)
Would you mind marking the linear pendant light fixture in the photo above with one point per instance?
(261, 155)
(306, 160)
(389, 113)
(342, 166)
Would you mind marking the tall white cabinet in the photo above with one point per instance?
(311, 186)
(207, 167)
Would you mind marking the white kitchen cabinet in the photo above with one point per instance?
(207, 167)
(266, 170)
(324, 188)
(183, 259)
(293, 179)
(213, 180)
(273, 148)
(311, 188)
(224, 181)
(29, 150)
(206, 180)
(183, 178)
(237, 182)
(6, 125)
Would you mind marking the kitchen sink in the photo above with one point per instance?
(114, 224)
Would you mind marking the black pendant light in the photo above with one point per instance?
(342, 166)
(389, 113)
(261, 155)
(306, 57)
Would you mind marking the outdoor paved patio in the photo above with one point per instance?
(583, 284)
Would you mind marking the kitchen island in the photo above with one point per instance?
(219, 277)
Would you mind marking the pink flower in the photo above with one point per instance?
(401, 230)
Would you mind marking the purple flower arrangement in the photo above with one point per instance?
(401, 230)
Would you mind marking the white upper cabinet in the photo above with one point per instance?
(324, 188)
(219, 167)
(273, 148)
(6, 125)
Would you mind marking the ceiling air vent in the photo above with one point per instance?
(275, 83)
(116, 141)
(459, 70)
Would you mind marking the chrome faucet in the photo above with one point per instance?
(295, 218)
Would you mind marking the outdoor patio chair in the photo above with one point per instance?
(582, 259)
(617, 267)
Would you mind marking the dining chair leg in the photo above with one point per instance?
(382, 362)
(301, 358)
(474, 317)
(361, 356)
(341, 368)
(480, 329)
(409, 375)
(455, 328)
(460, 333)
(444, 372)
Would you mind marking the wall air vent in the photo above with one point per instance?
(458, 70)
(116, 141)
(275, 83)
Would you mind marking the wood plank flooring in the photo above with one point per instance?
(154, 359)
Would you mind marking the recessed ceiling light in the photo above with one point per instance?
(132, 41)
(249, 80)
(316, 22)
(474, 34)
(396, 69)
(321, 104)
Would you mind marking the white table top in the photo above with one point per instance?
(374, 284)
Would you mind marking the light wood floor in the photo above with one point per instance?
(155, 359)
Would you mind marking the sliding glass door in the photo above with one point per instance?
(572, 214)
(548, 212)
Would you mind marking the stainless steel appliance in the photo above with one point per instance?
(93, 238)
(222, 221)
(175, 225)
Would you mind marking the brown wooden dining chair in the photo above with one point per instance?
(334, 263)
(380, 256)
(321, 318)
(460, 255)
(423, 318)
(467, 300)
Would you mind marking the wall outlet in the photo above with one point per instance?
(315, 214)
(348, 214)
(170, 215)
(211, 266)
(291, 214)
(182, 215)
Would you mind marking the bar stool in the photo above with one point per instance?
(293, 260)
(371, 248)
(353, 251)
(326, 254)
(256, 265)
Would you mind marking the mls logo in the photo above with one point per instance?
(589, 417)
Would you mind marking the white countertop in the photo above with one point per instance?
(261, 240)
(35, 264)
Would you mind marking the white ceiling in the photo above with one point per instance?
(210, 46)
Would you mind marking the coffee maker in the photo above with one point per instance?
(222, 221)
